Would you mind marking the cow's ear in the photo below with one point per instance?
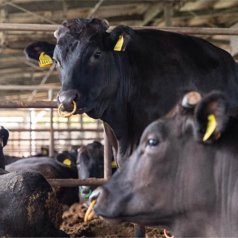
(34, 50)
(120, 38)
(211, 116)
(66, 160)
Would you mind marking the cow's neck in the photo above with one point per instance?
(127, 131)
(205, 224)
(198, 224)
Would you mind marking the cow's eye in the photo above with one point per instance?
(57, 63)
(97, 55)
(55, 60)
(152, 142)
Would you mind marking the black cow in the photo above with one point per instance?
(129, 78)
(29, 207)
(62, 167)
(90, 164)
(4, 134)
(183, 175)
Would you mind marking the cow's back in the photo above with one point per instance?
(28, 206)
(167, 63)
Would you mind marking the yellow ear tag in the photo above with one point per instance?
(119, 44)
(114, 165)
(67, 162)
(44, 152)
(45, 60)
(211, 126)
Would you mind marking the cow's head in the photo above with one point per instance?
(4, 134)
(171, 174)
(65, 159)
(90, 165)
(87, 60)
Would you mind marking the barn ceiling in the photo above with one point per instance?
(16, 70)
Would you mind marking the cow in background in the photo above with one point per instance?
(129, 78)
(63, 166)
(90, 164)
(183, 175)
(4, 134)
(29, 207)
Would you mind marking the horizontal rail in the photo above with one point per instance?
(59, 130)
(56, 139)
(28, 87)
(75, 182)
(27, 27)
(25, 104)
(187, 30)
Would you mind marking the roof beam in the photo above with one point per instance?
(29, 12)
(152, 12)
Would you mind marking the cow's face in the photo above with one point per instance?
(90, 165)
(88, 66)
(171, 174)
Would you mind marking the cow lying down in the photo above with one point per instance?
(183, 175)
(63, 166)
(28, 206)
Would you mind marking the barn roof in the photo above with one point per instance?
(15, 69)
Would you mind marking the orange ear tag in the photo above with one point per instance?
(45, 60)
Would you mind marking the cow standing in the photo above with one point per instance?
(129, 78)
(90, 164)
(183, 175)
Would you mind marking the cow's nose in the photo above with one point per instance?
(86, 191)
(95, 194)
(66, 98)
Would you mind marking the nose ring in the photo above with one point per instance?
(67, 114)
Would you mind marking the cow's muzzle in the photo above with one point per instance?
(67, 101)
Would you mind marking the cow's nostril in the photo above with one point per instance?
(66, 98)
(95, 194)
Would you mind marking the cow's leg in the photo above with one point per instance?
(139, 231)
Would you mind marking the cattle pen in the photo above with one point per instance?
(53, 105)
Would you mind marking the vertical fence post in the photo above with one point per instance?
(30, 140)
(107, 158)
(51, 148)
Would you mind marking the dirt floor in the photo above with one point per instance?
(74, 225)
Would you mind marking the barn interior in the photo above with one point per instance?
(24, 80)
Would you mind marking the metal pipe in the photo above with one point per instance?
(28, 27)
(65, 139)
(30, 140)
(76, 182)
(51, 148)
(107, 158)
(187, 30)
(22, 104)
(59, 130)
(28, 87)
